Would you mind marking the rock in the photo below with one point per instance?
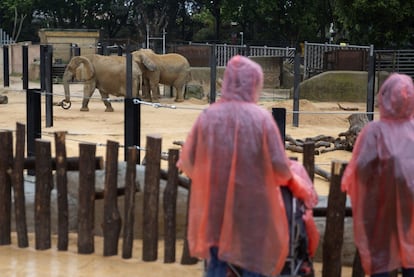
(4, 99)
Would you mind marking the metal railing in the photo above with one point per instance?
(395, 61)
(314, 56)
(5, 39)
(224, 52)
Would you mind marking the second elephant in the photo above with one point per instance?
(168, 69)
(106, 73)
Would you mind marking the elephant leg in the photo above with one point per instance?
(155, 92)
(179, 93)
(88, 90)
(179, 85)
(105, 97)
(146, 90)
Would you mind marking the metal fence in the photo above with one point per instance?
(224, 52)
(401, 61)
(5, 39)
(395, 61)
(315, 54)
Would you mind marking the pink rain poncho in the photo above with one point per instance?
(380, 181)
(236, 160)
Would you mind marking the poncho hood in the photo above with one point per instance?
(242, 81)
(396, 98)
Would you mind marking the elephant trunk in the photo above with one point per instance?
(67, 76)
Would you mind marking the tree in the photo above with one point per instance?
(383, 23)
(14, 13)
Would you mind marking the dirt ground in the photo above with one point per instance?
(171, 124)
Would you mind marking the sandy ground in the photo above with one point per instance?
(98, 127)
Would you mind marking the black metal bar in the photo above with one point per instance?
(48, 85)
(279, 114)
(33, 119)
(132, 125)
(213, 74)
(25, 64)
(6, 66)
(129, 74)
(42, 67)
(119, 50)
(296, 90)
(371, 84)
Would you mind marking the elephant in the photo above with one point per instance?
(106, 73)
(168, 69)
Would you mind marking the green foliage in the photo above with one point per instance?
(384, 23)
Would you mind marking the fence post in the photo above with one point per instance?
(151, 196)
(62, 191)
(49, 85)
(86, 196)
(6, 164)
(42, 67)
(6, 66)
(18, 187)
(112, 219)
(296, 85)
(371, 83)
(44, 186)
(186, 258)
(334, 228)
(170, 207)
(132, 112)
(129, 209)
(279, 115)
(25, 64)
(33, 120)
(309, 158)
(213, 74)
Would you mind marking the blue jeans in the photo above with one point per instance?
(406, 272)
(217, 268)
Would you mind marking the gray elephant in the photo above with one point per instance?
(168, 69)
(106, 73)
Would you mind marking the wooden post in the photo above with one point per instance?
(334, 228)
(170, 207)
(112, 219)
(151, 195)
(186, 258)
(62, 191)
(6, 163)
(309, 158)
(86, 209)
(44, 186)
(129, 216)
(18, 187)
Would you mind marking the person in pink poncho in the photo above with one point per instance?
(380, 182)
(236, 160)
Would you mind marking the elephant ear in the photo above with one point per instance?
(83, 68)
(149, 64)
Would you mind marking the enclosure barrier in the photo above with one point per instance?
(11, 177)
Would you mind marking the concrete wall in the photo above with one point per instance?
(62, 39)
(16, 59)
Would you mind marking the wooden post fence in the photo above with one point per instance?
(334, 228)
(112, 219)
(151, 196)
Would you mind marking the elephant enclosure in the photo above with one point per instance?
(171, 125)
